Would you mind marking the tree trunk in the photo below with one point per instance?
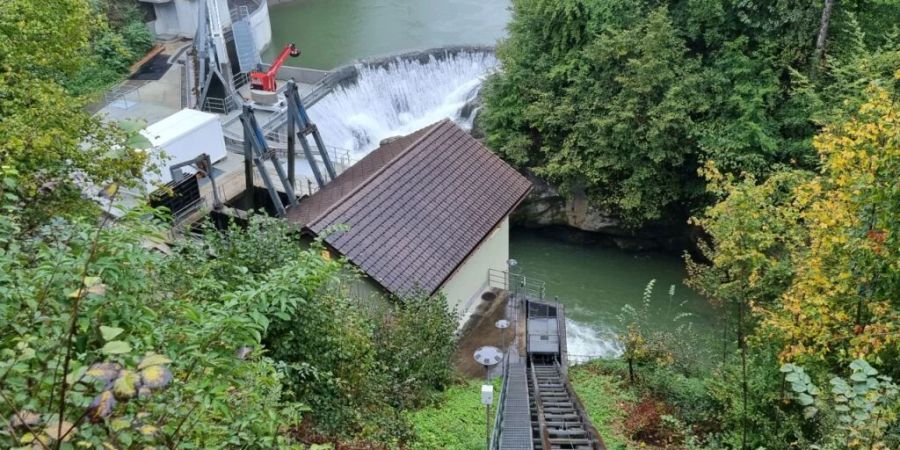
(631, 370)
(819, 55)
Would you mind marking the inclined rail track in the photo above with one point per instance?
(556, 417)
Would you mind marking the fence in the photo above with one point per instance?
(498, 417)
(517, 284)
(125, 95)
(221, 105)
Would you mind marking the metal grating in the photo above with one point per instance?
(245, 45)
(515, 430)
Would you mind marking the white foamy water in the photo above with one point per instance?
(585, 342)
(400, 98)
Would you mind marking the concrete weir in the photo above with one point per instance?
(358, 105)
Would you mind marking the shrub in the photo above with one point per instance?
(137, 38)
(414, 345)
(95, 351)
(645, 422)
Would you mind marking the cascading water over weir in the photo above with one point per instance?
(400, 96)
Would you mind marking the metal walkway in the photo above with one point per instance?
(515, 427)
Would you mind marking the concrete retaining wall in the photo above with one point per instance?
(262, 27)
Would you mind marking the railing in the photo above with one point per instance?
(517, 284)
(498, 417)
(221, 105)
(240, 79)
(239, 13)
(123, 96)
(239, 9)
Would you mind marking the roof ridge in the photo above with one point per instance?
(365, 182)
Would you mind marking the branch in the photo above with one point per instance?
(73, 328)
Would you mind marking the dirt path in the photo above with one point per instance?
(480, 331)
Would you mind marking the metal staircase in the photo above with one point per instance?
(245, 43)
(556, 422)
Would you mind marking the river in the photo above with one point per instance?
(593, 282)
(331, 33)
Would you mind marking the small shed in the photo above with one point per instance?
(425, 212)
(181, 137)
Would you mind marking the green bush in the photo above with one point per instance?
(102, 341)
(137, 38)
(601, 389)
(414, 345)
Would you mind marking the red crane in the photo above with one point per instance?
(265, 81)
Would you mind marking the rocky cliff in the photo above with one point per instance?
(572, 217)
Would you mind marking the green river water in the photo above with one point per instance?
(593, 282)
(331, 33)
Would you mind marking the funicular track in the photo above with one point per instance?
(558, 420)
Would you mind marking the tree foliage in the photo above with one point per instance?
(95, 352)
(808, 262)
(45, 135)
(626, 99)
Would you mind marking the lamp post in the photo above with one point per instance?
(487, 356)
(510, 265)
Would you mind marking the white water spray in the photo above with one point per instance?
(400, 98)
(585, 342)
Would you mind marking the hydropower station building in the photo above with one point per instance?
(427, 212)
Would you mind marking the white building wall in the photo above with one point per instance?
(470, 280)
(178, 18)
(262, 27)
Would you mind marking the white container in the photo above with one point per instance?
(182, 137)
(487, 394)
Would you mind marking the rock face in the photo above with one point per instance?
(572, 217)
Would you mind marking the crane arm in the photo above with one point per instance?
(289, 50)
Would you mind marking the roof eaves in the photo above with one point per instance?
(481, 241)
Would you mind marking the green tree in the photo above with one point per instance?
(45, 135)
(612, 116)
(625, 99)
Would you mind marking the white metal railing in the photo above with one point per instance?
(240, 80)
(123, 96)
(221, 105)
(517, 283)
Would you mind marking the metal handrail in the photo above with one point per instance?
(517, 283)
(240, 79)
(498, 418)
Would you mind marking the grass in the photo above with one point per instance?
(604, 397)
(456, 421)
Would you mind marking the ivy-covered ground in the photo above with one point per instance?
(605, 398)
(456, 421)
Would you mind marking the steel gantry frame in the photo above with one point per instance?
(256, 153)
(299, 127)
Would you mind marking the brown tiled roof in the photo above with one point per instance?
(416, 207)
